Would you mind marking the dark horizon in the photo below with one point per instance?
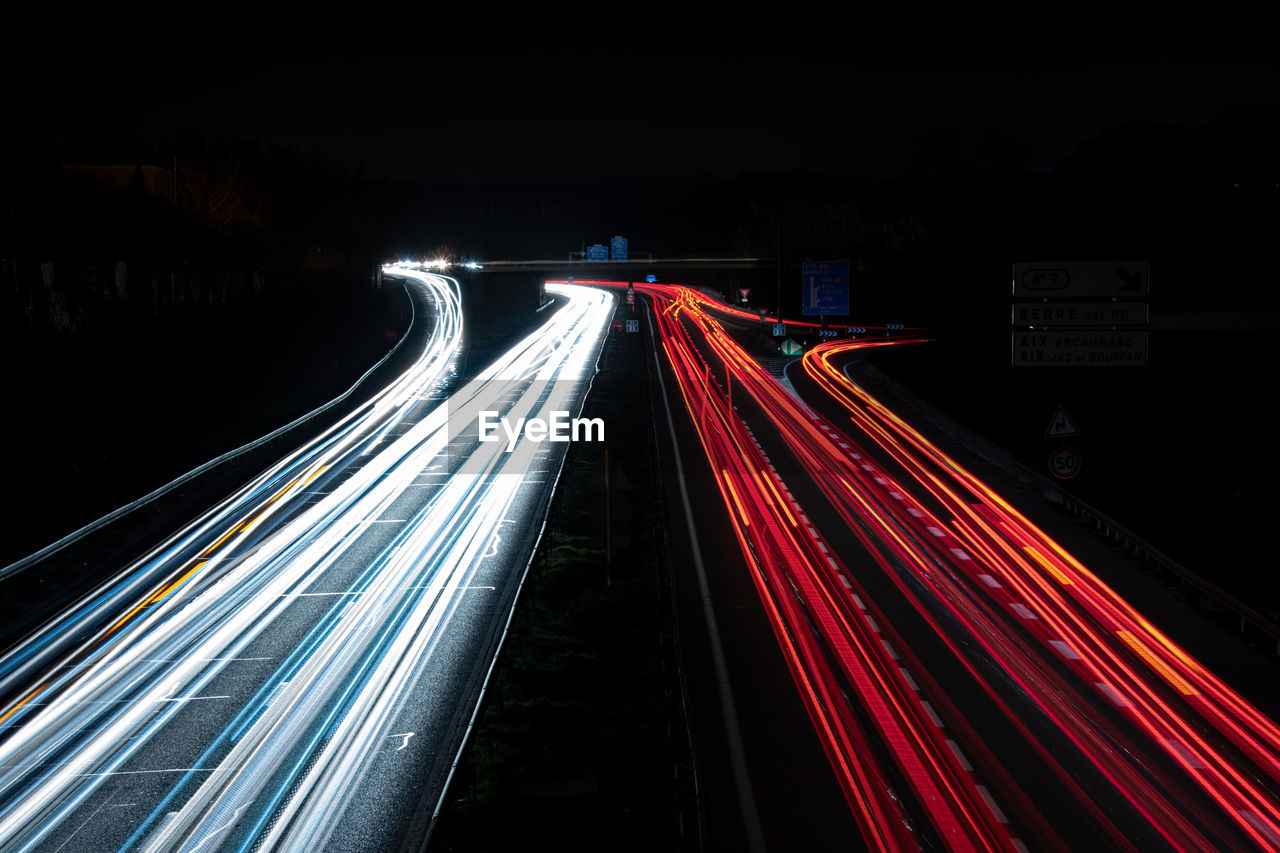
(518, 96)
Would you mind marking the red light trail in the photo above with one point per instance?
(1195, 762)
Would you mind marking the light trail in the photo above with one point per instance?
(1032, 584)
(107, 681)
(853, 674)
(1195, 762)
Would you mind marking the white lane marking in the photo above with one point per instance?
(844, 580)
(823, 547)
(751, 822)
(406, 736)
(991, 803)
(881, 481)
(888, 648)
(143, 772)
(1186, 754)
(858, 601)
(1022, 848)
(960, 555)
(868, 467)
(191, 698)
(915, 512)
(933, 715)
(964, 762)
(1260, 825)
(361, 592)
(67, 840)
(1023, 611)
(1113, 695)
(935, 531)
(989, 581)
(872, 623)
(201, 660)
(1065, 650)
(897, 496)
(911, 682)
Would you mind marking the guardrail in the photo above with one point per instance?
(1139, 547)
(115, 515)
(1102, 523)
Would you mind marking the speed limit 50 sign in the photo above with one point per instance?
(1064, 463)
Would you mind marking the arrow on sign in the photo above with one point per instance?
(1132, 280)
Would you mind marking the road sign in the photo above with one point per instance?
(828, 333)
(1079, 314)
(743, 291)
(631, 297)
(651, 278)
(1064, 463)
(1079, 348)
(1061, 426)
(618, 248)
(598, 252)
(790, 347)
(779, 330)
(826, 287)
(1080, 279)
(633, 325)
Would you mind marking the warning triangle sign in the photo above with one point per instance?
(790, 347)
(1061, 426)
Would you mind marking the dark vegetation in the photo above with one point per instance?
(581, 737)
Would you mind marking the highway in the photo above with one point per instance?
(295, 669)
(974, 686)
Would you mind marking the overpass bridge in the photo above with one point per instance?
(628, 269)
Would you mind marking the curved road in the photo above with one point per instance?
(298, 665)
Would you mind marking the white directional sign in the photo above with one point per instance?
(1112, 279)
(1079, 314)
(1061, 426)
(1079, 348)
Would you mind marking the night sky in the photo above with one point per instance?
(482, 92)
